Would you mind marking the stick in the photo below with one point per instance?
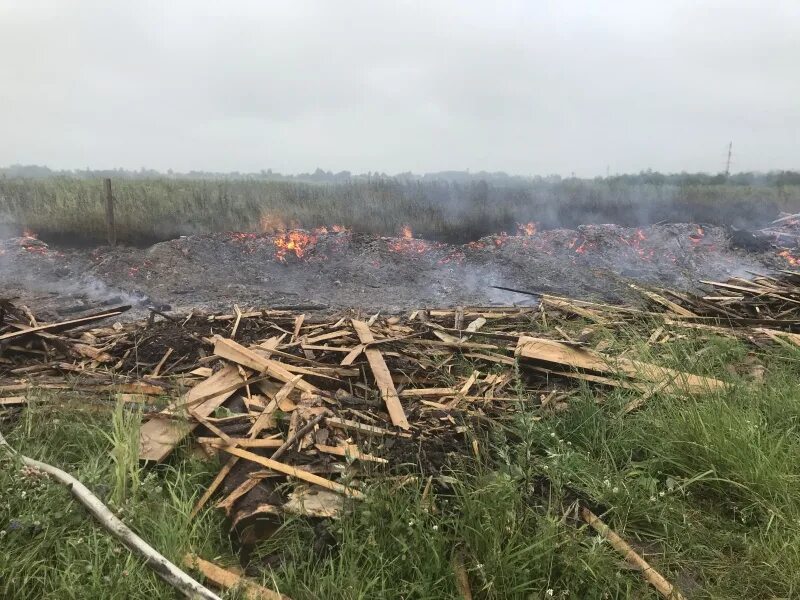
(292, 471)
(653, 577)
(162, 567)
(111, 227)
(229, 580)
(297, 435)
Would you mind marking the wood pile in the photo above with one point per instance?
(303, 410)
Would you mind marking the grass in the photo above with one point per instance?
(706, 488)
(72, 209)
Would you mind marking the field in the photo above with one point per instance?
(71, 209)
(706, 488)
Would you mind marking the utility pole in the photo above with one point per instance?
(728, 163)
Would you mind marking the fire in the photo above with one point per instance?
(27, 233)
(324, 229)
(527, 228)
(500, 240)
(296, 241)
(790, 258)
(407, 243)
(697, 236)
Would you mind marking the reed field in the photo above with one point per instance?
(71, 209)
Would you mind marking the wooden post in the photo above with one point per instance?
(110, 225)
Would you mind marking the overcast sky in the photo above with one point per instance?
(526, 87)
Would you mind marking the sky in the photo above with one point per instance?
(530, 88)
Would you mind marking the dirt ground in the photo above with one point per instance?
(307, 270)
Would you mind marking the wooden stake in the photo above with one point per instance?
(111, 226)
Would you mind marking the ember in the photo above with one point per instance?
(790, 258)
(527, 228)
(296, 241)
(697, 236)
(407, 243)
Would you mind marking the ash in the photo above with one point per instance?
(310, 270)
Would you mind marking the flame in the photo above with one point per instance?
(324, 229)
(296, 241)
(405, 232)
(697, 236)
(790, 258)
(527, 228)
(500, 240)
(27, 233)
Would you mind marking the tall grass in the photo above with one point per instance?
(156, 209)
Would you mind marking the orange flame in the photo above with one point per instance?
(324, 229)
(296, 241)
(527, 228)
(791, 259)
(697, 236)
(27, 233)
(405, 232)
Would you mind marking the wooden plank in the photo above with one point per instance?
(228, 580)
(160, 435)
(569, 306)
(63, 325)
(581, 358)
(235, 352)
(292, 471)
(350, 451)
(383, 378)
(245, 442)
(421, 392)
(658, 299)
(328, 336)
(349, 425)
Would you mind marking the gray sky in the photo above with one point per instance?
(527, 87)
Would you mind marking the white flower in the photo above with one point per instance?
(436, 528)
(615, 489)
(662, 494)
(550, 592)
(553, 434)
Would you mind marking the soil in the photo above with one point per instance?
(343, 270)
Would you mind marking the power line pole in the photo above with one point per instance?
(728, 163)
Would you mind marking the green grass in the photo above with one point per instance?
(706, 488)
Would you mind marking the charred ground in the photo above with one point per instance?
(337, 269)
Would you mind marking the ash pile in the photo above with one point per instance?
(333, 268)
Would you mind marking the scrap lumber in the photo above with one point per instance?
(160, 435)
(550, 351)
(383, 378)
(228, 580)
(292, 471)
(63, 325)
(653, 577)
(237, 353)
